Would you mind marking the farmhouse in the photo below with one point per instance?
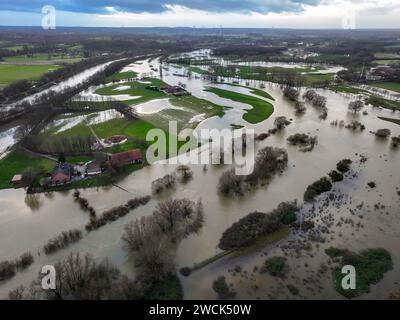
(17, 179)
(126, 158)
(62, 174)
(93, 168)
(174, 90)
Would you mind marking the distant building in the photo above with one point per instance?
(126, 158)
(94, 168)
(174, 90)
(62, 174)
(17, 179)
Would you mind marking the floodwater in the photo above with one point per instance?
(67, 121)
(27, 223)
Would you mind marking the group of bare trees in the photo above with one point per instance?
(317, 101)
(8, 268)
(81, 278)
(151, 239)
(269, 162)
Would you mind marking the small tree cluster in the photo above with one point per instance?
(151, 238)
(317, 188)
(269, 162)
(160, 185)
(115, 213)
(306, 142)
(222, 289)
(356, 106)
(281, 122)
(8, 269)
(300, 107)
(184, 172)
(81, 278)
(62, 241)
(291, 93)
(247, 230)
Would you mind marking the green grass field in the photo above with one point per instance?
(347, 89)
(136, 89)
(42, 58)
(122, 76)
(16, 162)
(393, 86)
(312, 79)
(255, 91)
(10, 73)
(261, 110)
(396, 121)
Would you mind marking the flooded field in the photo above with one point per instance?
(28, 222)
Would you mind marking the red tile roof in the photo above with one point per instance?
(127, 157)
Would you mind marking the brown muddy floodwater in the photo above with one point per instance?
(27, 223)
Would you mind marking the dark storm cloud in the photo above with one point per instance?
(157, 6)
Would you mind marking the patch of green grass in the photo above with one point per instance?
(396, 121)
(42, 57)
(370, 266)
(276, 266)
(78, 159)
(382, 102)
(347, 89)
(169, 288)
(255, 91)
(10, 73)
(393, 86)
(313, 79)
(261, 110)
(17, 162)
(136, 89)
(122, 76)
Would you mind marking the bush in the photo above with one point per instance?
(246, 231)
(317, 188)
(370, 265)
(62, 241)
(24, 261)
(7, 270)
(162, 184)
(169, 288)
(336, 176)
(291, 93)
(115, 213)
(334, 252)
(344, 165)
(276, 266)
(221, 287)
(383, 133)
(185, 271)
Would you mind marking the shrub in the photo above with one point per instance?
(383, 133)
(115, 213)
(334, 252)
(24, 261)
(7, 270)
(336, 176)
(162, 184)
(370, 265)
(276, 266)
(62, 241)
(246, 231)
(185, 271)
(222, 289)
(291, 93)
(344, 165)
(317, 188)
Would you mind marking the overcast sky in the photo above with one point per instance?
(207, 13)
